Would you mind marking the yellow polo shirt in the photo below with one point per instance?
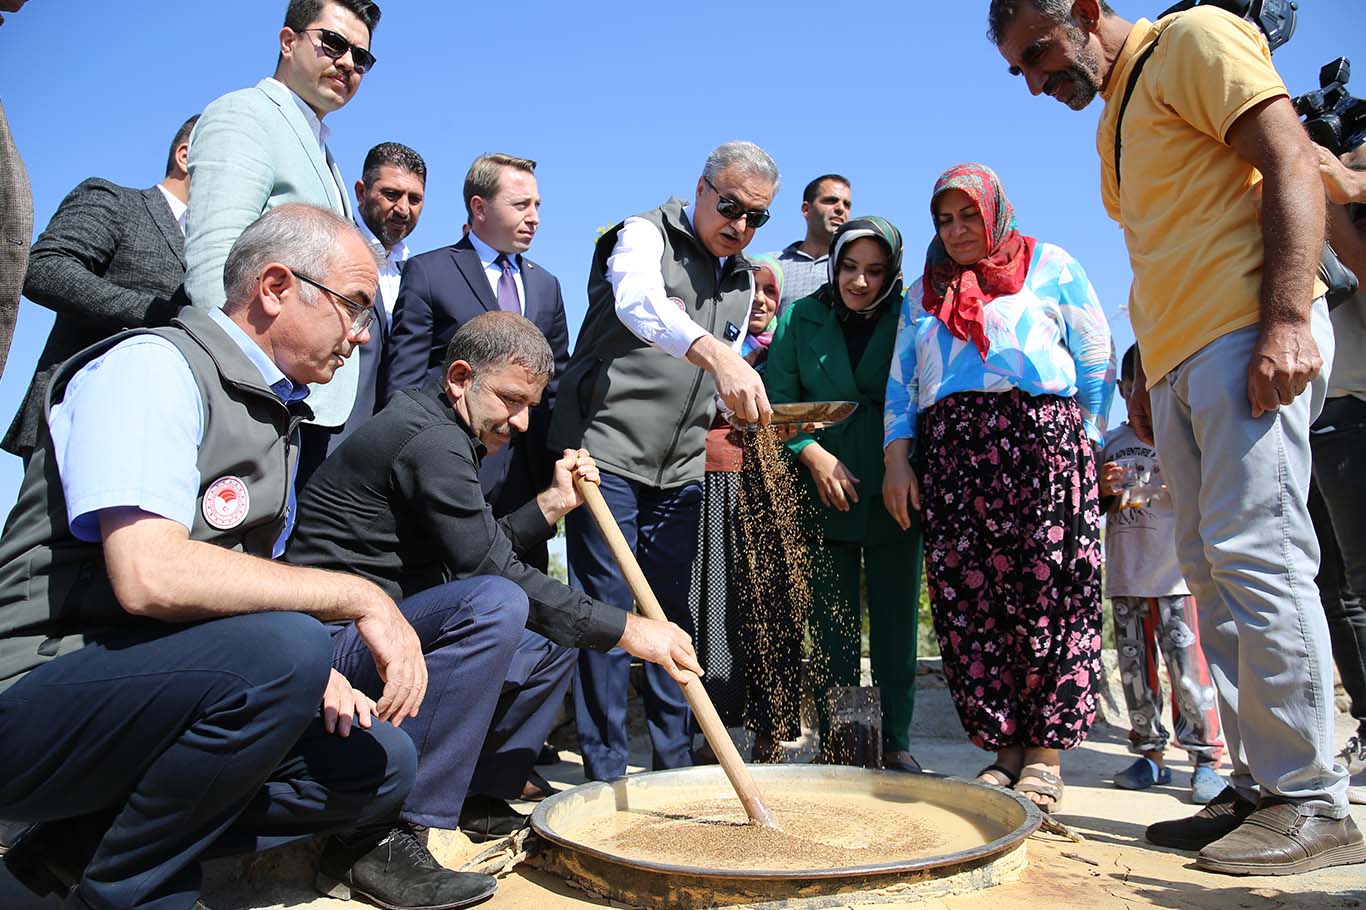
(1188, 203)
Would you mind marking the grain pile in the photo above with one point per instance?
(777, 527)
(825, 834)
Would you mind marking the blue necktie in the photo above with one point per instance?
(507, 287)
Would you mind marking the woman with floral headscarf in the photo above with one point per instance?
(1002, 377)
(837, 345)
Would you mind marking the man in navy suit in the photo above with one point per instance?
(486, 272)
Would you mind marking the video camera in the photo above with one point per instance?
(1332, 117)
(1276, 18)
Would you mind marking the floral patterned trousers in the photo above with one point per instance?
(1012, 558)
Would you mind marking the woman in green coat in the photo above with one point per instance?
(836, 345)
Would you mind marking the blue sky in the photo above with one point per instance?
(618, 101)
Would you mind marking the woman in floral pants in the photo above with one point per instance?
(1003, 374)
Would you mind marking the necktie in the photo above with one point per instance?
(507, 287)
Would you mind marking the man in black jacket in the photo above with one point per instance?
(400, 504)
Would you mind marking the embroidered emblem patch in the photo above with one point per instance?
(226, 503)
(678, 302)
(732, 331)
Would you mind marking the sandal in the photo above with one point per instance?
(1000, 775)
(1043, 782)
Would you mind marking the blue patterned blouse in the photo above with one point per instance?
(1050, 338)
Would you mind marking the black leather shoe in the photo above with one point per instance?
(396, 872)
(50, 857)
(1220, 816)
(1278, 840)
(484, 818)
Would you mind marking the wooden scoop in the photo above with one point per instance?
(698, 699)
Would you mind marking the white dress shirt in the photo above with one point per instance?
(321, 132)
(642, 304)
(178, 208)
(392, 272)
(493, 271)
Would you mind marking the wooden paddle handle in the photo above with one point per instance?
(698, 699)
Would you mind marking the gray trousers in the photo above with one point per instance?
(1248, 551)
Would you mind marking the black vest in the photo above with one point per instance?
(55, 594)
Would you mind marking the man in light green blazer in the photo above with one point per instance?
(265, 146)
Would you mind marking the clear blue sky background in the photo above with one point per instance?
(618, 101)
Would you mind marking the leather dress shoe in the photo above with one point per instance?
(1220, 816)
(1278, 840)
(50, 857)
(393, 869)
(537, 787)
(484, 818)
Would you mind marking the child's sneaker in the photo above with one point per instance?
(1142, 774)
(1205, 784)
(1353, 755)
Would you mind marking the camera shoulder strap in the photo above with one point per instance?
(1124, 102)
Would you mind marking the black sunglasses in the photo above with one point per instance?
(361, 315)
(731, 210)
(335, 46)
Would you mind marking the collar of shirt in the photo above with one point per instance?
(321, 131)
(178, 208)
(279, 383)
(487, 254)
(392, 258)
(794, 251)
(437, 392)
(720, 263)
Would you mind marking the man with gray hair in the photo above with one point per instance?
(668, 298)
(1235, 348)
(400, 504)
(183, 677)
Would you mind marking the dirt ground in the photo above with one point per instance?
(1114, 867)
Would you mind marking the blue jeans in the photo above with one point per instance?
(1240, 489)
(661, 528)
(206, 740)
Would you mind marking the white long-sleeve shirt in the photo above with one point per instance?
(642, 304)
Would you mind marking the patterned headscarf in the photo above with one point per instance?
(856, 229)
(770, 262)
(956, 293)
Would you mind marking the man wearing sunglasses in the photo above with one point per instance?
(169, 691)
(669, 294)
(265, 146)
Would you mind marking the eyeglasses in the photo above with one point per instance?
(731, 210)
(361, 315)
(335, 46)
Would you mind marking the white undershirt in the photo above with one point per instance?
(178, 208)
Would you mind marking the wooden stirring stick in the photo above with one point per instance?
(698, 699)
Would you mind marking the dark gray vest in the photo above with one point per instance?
(55, 595)
(642, 413)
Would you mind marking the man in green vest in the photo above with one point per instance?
(166, 687)
(669, 296)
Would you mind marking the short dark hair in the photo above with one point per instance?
(394, 154)
(1003, 12)
(1127, 365)
(493, 340)
(814, 187)
(182, 136)
(483, 176)
(301, 13)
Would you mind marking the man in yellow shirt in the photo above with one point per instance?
(1216, 186)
